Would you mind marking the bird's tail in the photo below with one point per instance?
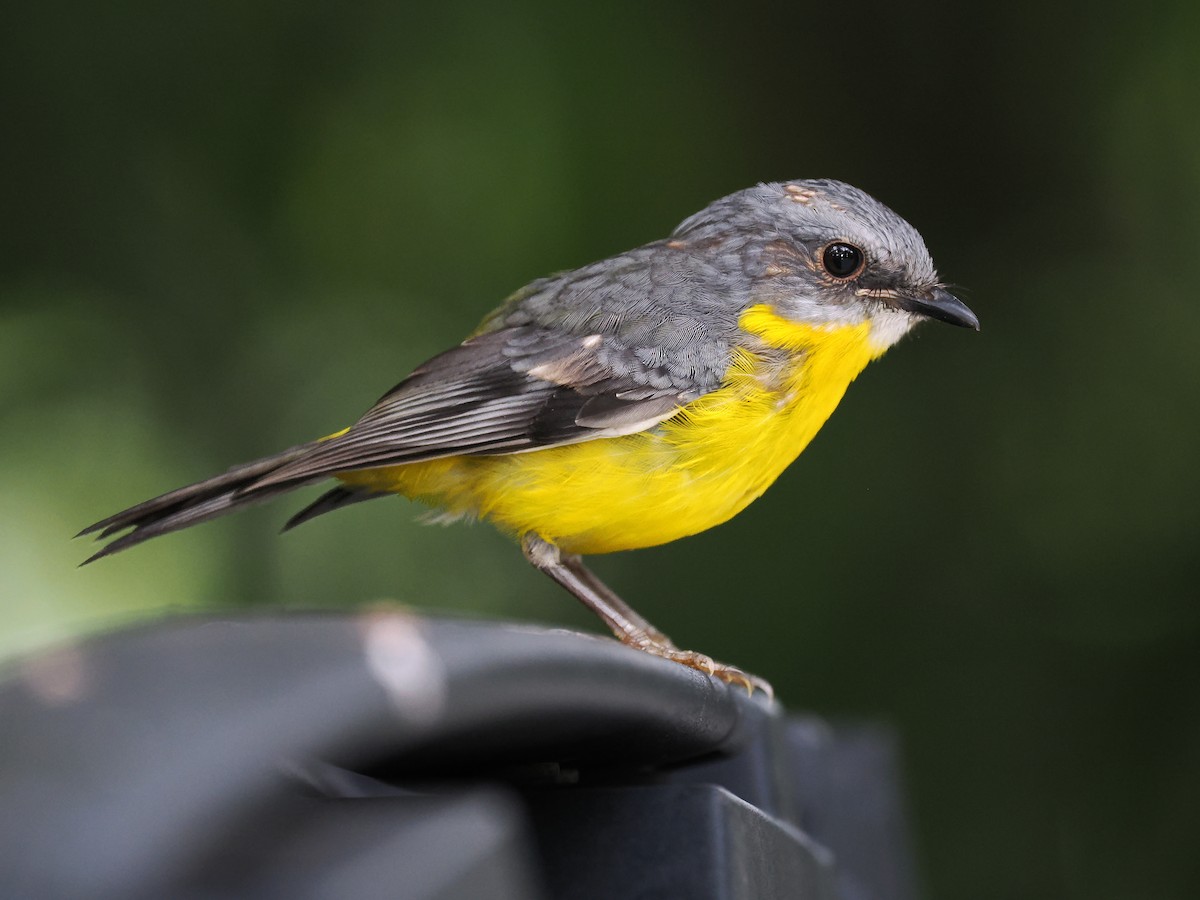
(197, 502)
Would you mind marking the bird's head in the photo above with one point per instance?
(825, 253)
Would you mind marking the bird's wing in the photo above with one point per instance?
(505, 391)
(510, 389)
(611, 348)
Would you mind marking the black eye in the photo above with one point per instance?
(842, 260)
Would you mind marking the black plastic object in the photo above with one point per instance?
(386, 755)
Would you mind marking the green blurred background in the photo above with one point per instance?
(228, 227)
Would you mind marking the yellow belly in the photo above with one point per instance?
(696, 470)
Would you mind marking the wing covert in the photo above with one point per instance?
(504, 391)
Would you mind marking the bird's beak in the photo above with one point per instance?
(942, 305)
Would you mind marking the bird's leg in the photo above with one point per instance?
(570, 572)
(628, 627)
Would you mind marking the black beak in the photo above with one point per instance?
(942, 305)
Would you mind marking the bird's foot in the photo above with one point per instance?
(659, 645)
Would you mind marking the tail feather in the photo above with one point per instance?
(195, 503)
(329, 501)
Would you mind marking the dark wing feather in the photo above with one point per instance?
(511, 390)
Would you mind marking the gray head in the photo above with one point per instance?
(822, 251)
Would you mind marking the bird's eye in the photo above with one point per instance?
(842, 260)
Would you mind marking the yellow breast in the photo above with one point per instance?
(696, 470)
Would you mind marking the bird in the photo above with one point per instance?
(625, 404)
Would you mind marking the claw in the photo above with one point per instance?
(763, 685)
(707, 665)
(732, 675)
